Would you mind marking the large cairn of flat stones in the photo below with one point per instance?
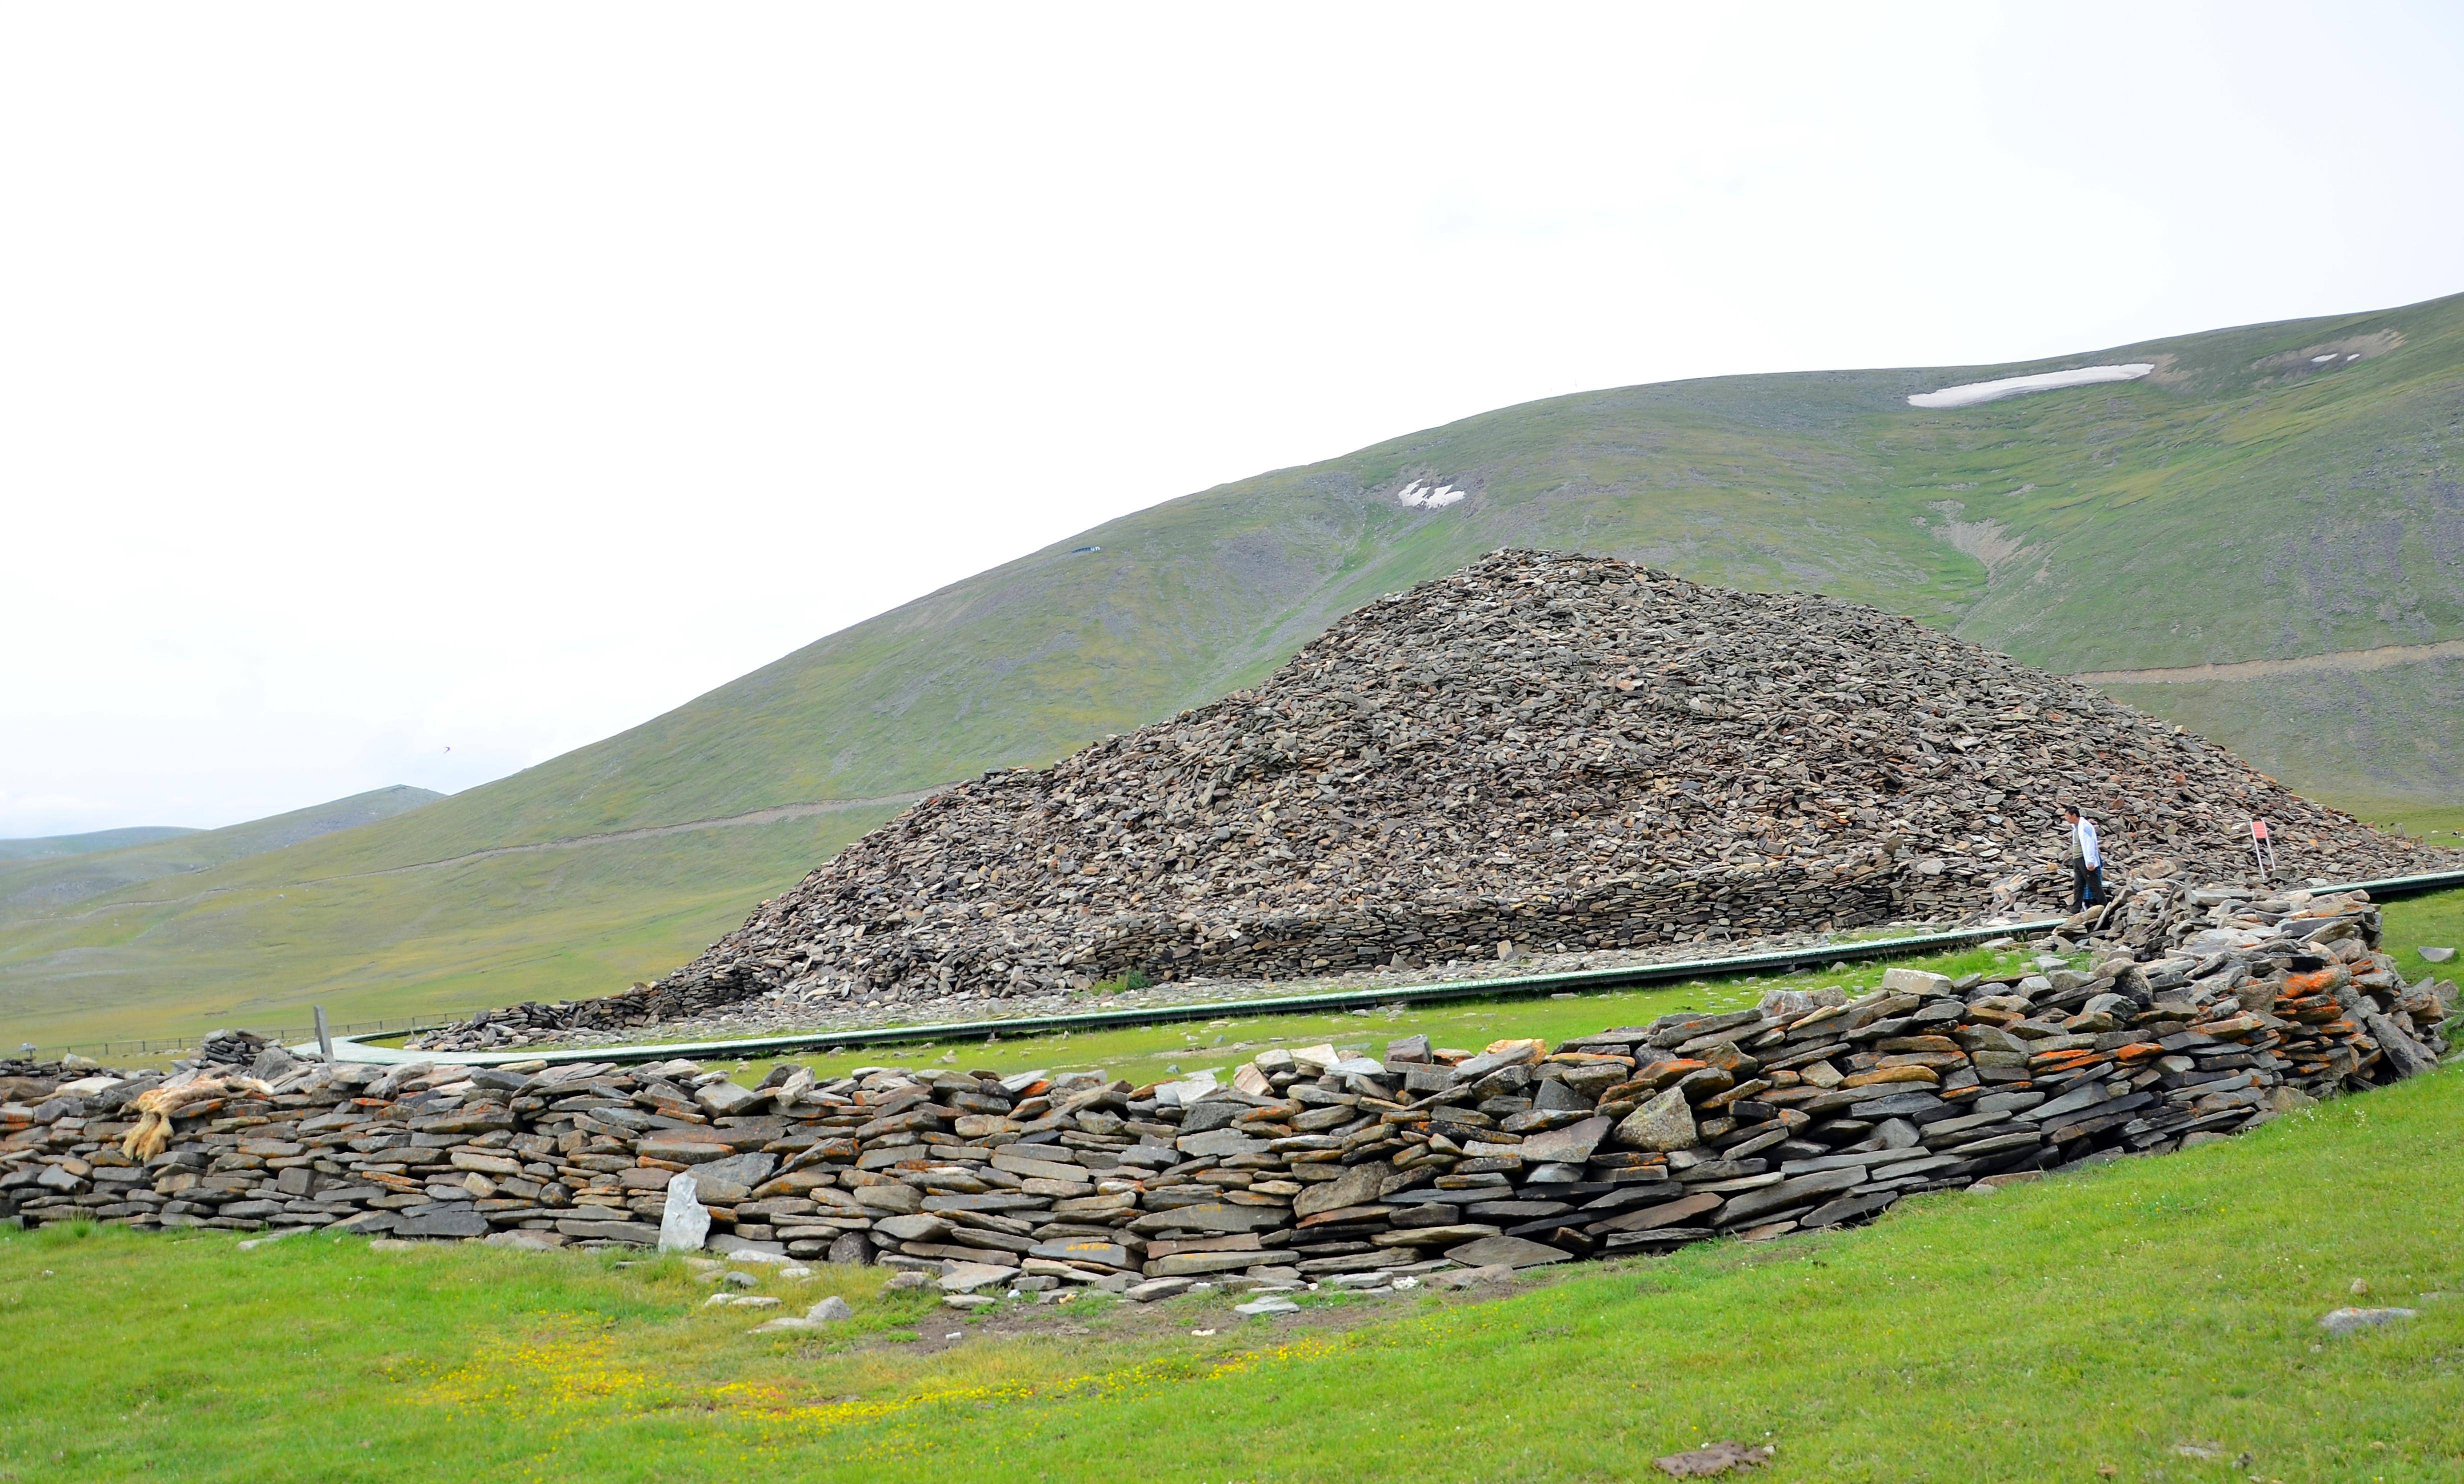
(1565, 753)
(2166, 1018)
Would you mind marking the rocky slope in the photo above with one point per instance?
(1554, 751)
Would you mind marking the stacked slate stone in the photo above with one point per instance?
(1561, 752)
(231, 1047)
(2197, 1012)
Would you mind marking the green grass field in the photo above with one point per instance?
(2237, 504)
(2104, 1318)
(2439, 826)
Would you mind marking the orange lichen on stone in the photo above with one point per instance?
(2317, 981)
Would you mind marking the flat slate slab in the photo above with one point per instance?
(1198, 1264)
(1506, 1252)
(639, 1233)
(464, 1223)
(1219, 1143)
(1571, 1145)
(1213, 1217)
(965, 1277)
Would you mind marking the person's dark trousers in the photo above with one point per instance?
(2087, 885)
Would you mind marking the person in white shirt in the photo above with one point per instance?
(2087, 861)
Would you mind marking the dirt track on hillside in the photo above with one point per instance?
(2380, 659)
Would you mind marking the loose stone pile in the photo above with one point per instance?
(2198, 1012)
(231, 1047)
(1559, 752)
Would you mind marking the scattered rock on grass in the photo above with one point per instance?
(1712, 1458)
(2345, 1321)
(253, 1243)
(830, 1311)
(1472, 1277)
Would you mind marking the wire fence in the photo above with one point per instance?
(167, 1046)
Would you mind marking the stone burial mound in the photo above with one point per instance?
(2190, 1015)
(1560, 752)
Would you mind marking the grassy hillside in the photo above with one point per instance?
(267, 939)
(2241, 503)
(42, 885)
(2154, 1318)
(50, 846)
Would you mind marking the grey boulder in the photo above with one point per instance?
(2345, 1322)
(1665, 1122)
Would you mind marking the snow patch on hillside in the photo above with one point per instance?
(1974, 392)
(1428, 497)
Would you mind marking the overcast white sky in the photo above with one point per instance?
(379, 380)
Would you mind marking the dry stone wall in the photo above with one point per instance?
(1562, 752)
(2165, 1018)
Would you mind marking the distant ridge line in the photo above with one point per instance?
(765, 816)
(2379, 658)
